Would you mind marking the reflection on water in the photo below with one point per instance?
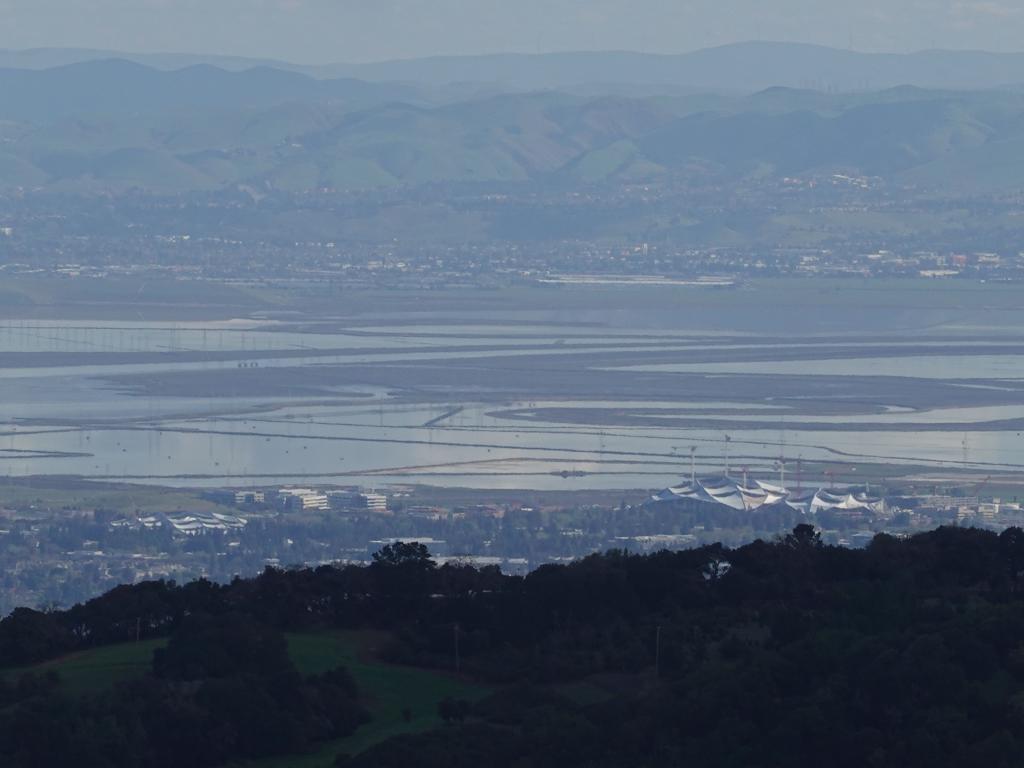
(356, 444)
(73, 420)
(918, 367)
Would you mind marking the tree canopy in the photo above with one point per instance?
(909, 652)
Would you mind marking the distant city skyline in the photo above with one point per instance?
(330, 31)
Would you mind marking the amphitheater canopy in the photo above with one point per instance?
(752, 496)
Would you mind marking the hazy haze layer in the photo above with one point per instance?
(321, 31)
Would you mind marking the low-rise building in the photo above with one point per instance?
(305, 499)
(375, 502)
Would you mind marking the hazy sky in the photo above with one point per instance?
(320, 31)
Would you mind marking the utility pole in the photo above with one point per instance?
(693, 465)
(657, 653)
(727, 441)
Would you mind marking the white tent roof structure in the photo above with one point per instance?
(728, 492)
(826, 500)
(755, 495)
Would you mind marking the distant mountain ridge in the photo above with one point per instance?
(49, 58)
(744, 67)
(738, 67)
(111, 126)
(114, 86)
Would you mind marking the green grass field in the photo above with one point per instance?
(53, 493)
(388, 689)
(97, 669)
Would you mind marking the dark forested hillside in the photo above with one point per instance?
(910, 652)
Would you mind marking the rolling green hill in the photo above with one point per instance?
(113, 126)
(97, 669)
(905, 652)
(391, 692)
